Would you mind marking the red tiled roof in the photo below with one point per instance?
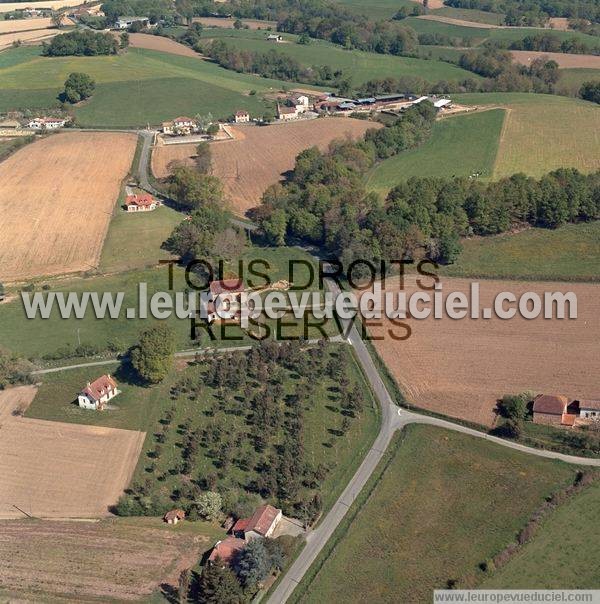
(227, 549)
(241, 112)
(240, 525)
(262, 519)
(285, 110)
(183, 119)
(100, 387)
(226, 286)
(550, 403)
(143, 200)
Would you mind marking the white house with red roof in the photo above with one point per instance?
(97, 393)
(46, 123)
(180, 126)
(242, 117)
(141, 203)
(261, 524)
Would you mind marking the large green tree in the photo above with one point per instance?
(152, 358)
(78, 87)
(218, 585)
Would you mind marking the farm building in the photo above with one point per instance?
(262, 523)
(46, 123)
(174, 516)
(224, 300)
(141, 203)
(242, 117)
(589, 409)
(274, 38)
(301, 101)
(127, 22)
(225, 551)
(554, 410)
(97, 393)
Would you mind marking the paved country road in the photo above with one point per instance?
(392, 419)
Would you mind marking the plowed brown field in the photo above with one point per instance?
(260, 156)
(524, 57)
(60, 470)
(461, 367)
(56, 201)
(163, 44)
(112, 560)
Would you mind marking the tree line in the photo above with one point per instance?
(81, 42)
(325, 202)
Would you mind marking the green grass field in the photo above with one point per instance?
(469, 14)
(141, 408)
(377, 9)
(360, 66)
(543, 564)
(459, 146)
(543, 132)
(440, 504)
(38, 337)
(571, 253)
(133, 89)
(571, 79)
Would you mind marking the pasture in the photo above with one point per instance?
(52, 220)
(459, 146)
(496, 356)
(439, 504)
(360, 66)
(571, 80)
(570, 253)
(136, 88)
(117, 559)
(60, 470)
(260, 156)
(228, 23)
(543, 565)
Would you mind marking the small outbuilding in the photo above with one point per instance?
(549, 409)
(174, 516)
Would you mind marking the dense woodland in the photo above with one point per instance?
(326, 202)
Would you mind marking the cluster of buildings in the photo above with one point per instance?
(392, 103)
(180, 126)
(262, 524)
(558, 410)
(293, 107)
(37, 123)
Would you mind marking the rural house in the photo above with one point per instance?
(127, 22)
(301, 102)
(286, 113)
(262, 523)
(589, 409)
(242, 117)
(225, 551)
(141, 203)
(274, 38)
(179, 126)
(174, 516)
(46, 123)
(224, 300)
(97, 393)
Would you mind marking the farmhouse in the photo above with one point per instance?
(286, 113)
(174, 516)
(141, 203)
(301, 101)
(242, 117)
(262, 523)
(225, 551)
(224, 300)
(274, 38)
(554, 410)
(97, 393)
(179, 126)
(127, 22)
(46, 123)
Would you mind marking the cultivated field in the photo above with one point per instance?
(446, 503)
(162, 44)
(524, 57)
(37, 35)
(461, 367)
(260, 156)
(13, 25)
(60, 470)
(120, 559)
(56, 200)
(8, 7)
(460, 22)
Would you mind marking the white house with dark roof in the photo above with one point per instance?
(97, 393)
(589, 409)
